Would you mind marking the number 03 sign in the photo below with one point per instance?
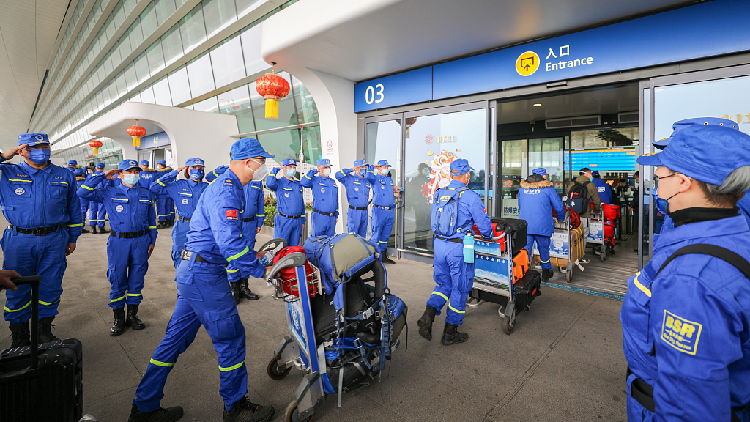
(374, 94)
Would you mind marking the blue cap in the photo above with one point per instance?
(358, 163)
(32, 139)
(383, 163)
(595, 173)
(194, 162)
(248, 148)
(144, 162)
(706, 152)
(460, 166)
(539, 171)
(127, 165)
(289, 162)
(72, 163)
(162, 162)
(324, 162)
(79, 172)
(703, 121)
(99, 165)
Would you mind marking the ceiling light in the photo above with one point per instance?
(537, 105)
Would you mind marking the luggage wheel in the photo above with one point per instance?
(507, 323)
(292, 415)
(569, 272)
(275, 372)
(474, 302)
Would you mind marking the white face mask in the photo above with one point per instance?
(326, 172)
(260, 172)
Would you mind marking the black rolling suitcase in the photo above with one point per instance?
(517, 230)
(41, 383)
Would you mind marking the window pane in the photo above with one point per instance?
(218, 14)
(124, 48)
(148, 20)
(192, 29)
(254, 63)
(147, 95)
(226, 61)
(178, 84)
(172, 45)
(161, 93)
(208, 105)
(141, 68)
(286, 109)
(201, 78)
(119, 16)
(136, 36)
(164, 9)
(237, 102)
(155, 57)
(246, 6)
(130, 79)
(281, 144)
(311, 144)
(306, 108)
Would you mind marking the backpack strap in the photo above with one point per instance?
(724, 254)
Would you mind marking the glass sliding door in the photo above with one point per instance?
(514, 168)
(548, 153)
(383, 142)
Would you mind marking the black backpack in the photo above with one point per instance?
(578, 196)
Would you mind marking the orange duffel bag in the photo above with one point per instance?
(520, 264)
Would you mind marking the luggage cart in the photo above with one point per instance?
(562, 255)
(493, 276)
(596, 233)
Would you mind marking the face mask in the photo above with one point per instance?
(196, 174)
(130, 179)
(384, 171)
(426, 172)
(326, 172)
(260, 173)
(362, 172)
(39, 156)
(291, 172)
(662, 205)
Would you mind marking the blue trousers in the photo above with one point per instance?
(289, 229)
(356, 222)
(84, 209)
(164, 209)
(29, 255)
(179, 238)
(203, 298)
(97, 214)
(127, 263)
(322, 225)
(382, 224)
(542, 243)
(454, 279)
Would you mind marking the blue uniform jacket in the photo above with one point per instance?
(536, 200)
(357, 188)
(603, 189)
(105, 183)
(325, 192)
(254, 207)
(159, 174)
(185, 192)
(470, 211)
(687, 331)
(744, 205)
(32, 198)
(288, 195)
(216, 228)
(129, 209)
(382, 189)
(147, 177)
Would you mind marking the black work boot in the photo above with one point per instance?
(425, 323)
(20, 334)
(45, 330)
(132, 319)
(452, 336)
(246, 292)
(245, 411)
(387, 259)
(84, 231)
(170, 414)
(547, 274)
(93, 229)
(119, 325)
(235, 286)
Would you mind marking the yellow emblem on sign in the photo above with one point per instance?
(527, 63)
(680, 333)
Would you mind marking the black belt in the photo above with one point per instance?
(183, 219)
(330, 214)
(289, 216)
(450, 240)
(39, 231)
(642, 393)
(186, 255)
(127, 235)
(357, 208)
(247, 220)
(383, 208)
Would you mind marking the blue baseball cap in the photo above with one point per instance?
(99, 165)
(595, 173)
(324, 162)
(541, 172)
(32, 139)
(704, 152)
(194, 162)
(162, 162)
(144, 162)
(248, 148)
(702, 121)
(460, 166)
(289, 162)
(79, 172)
(358, 163)
(72, 163)
(383, 163)
(126, 165)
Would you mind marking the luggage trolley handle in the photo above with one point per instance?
(33, 281)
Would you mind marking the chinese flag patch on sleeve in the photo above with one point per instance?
(231, 214)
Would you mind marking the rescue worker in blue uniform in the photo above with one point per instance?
(686, 335)
(164, 204)
(384, 194)
(290, 207)
(185, 193)
(147, 175)
(536, 200)
(97, 213)
(325, 199)
(131, 242)
(80, 175)
(602, 187)
(72, 165)
(358, 196)
(454, 276)
(203, 298)
(38, 199)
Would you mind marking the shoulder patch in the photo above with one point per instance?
(680, 333)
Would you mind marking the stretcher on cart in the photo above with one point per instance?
(565, 247)
(498, 265)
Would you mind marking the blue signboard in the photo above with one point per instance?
(604, 159)
(154, 141)
(702, 30)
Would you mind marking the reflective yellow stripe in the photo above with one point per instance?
(244, 251)
(382, 241)
(214, 172)
(151, 227)
(120, 199)
(134, 294)
(640, 286)
(441, 295)
(186, 194)
(159, 182)
(454, 309)
(231, 368)
(232, 271)
(119, 298)
(75, 225)
(260, 215)
(86, 187)
(20, 180)
(544, 262)
(16, 310)
(48, 304)
(157, 363)
(61, 182)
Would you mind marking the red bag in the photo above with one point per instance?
(610, 211)
(289, 275)
(575, 219)
(495, 233)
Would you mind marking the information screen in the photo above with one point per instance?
(616, 159)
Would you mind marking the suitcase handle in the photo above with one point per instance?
(33, 281)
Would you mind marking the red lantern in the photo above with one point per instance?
(96, 145)
(272, 87)
(137, 132)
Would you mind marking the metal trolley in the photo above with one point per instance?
(596, 233)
